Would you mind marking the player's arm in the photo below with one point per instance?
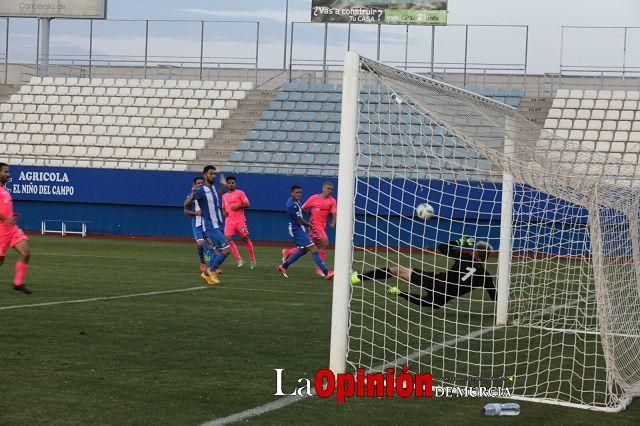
(191, 197)
(189, 212)
(334, 214)
(418, 300)
(453, 247)
(9, 220)
(223, 185)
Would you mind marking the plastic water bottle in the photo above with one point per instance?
(497, 409)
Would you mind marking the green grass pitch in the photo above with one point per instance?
(187, 357)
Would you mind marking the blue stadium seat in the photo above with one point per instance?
(326, 126)
(295, 96)
(314, 106)
(273, 125)
(489, 92)
(307, 159)
(294, 116)
(264, 157)
(329, 148)
(321, 159)
(328, 107)
(293, 158)
(249, 157)
(288, 87)
(301, 106)
(335, 97)
(315, 126)
(280, 116)
(308, 116)
(309, 97)
(252, 135)
(260, 125)
(294, 136)
(257, 146)
(517, 91)
(314, 148)
(281, 96)
(280, 136)
(236, 156)
(285, 146)
(321, 137)
(514, 102)
(244, 146)
(382, 108)
(322, 117)
(274, 106)
(499, 99)
(266, 135)
(301, 126)
(307, 137)
(328, 87)
(316, 87)
(279, 158)
(287, 126)
(334, 137)
(267, 115)
(289, 106)
(322, 97)
(503, 91)
(334, 117)
(272, 146)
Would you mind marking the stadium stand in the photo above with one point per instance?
(114, 123)
(301, 126)
(593, 125)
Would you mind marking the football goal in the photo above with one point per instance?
(563, 324)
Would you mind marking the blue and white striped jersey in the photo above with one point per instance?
(209, 203)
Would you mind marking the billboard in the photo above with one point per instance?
(421, 12)
(95, 9)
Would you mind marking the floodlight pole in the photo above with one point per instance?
(44, 45)
(344, 217)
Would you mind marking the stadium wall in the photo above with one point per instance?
(149, 203)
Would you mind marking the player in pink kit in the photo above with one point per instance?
(321, 205)
(234, 202)
(11, 235)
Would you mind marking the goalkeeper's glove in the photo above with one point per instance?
(466, 241)
(394, 291)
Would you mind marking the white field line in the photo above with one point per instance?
(154, 293)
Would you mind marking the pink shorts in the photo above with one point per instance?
(318, 234)
(232, 227)
(9, 238)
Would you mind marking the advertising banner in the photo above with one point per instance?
(420, 12)
(92, 9)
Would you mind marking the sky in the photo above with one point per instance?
(501, 47)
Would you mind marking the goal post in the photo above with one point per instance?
(558, 323)
(345, 214)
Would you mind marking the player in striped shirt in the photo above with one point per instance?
(298, 232)
(321, 206)
(11, 235)
(194, 211)
(212, 221)
(234, 203)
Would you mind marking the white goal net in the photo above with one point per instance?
(563, 223)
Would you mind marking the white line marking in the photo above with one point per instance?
(96, 299)
(154, 293)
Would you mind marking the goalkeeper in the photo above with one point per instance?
(466, 273)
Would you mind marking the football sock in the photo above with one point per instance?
(295, 256)
(21, 272)
(323, 254)
(201, 253)
(218, 259)
(291, 251)
(234, 249)
(319, 262)
(252, 254)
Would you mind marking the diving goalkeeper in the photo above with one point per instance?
(466, 273)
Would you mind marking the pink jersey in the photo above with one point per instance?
(321, 208)
(6, 208)
(234, 198)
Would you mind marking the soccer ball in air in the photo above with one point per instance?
(424, 211)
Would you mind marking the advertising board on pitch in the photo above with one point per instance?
(92, 9)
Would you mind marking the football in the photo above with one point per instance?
(424, 211)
